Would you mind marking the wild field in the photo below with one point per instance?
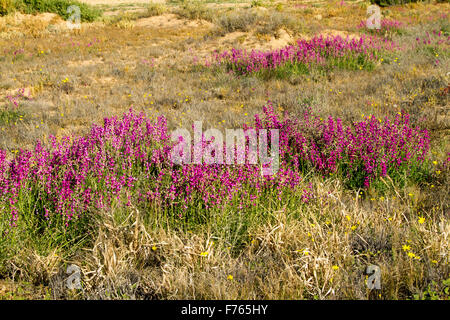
(364, 150)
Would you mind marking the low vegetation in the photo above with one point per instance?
(86, 171)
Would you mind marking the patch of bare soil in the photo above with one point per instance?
(251, 41)
(343, 34)
(127, 10)
(170, 20)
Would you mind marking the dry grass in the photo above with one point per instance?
(283, 250)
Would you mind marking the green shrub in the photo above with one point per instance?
(194, 10)
(256, 3)
(434, 291)
(241, 21)
(155, 9)
(385, 3)
(59, 7)
(6, 6)
(274, 21)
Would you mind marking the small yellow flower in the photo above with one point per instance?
(353, 228)
(204, 254)
(421, 220)
(411, 255)
(434, 261)
(406, 248)
(230, 277)
(154, 248)
(435, 163)
(348, 217)
(335, 267)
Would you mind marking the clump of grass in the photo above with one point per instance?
(155, 9)
(194, 10)
(256, 3)
(274, 21)
(435, 291)
(241, 21)
(8, 116)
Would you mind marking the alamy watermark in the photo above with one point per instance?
(74, 279)
(208, 147)
(74, 20)
(374, 19)
(374, 277)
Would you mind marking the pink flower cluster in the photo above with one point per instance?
(434, 38)
(372, 147)
(386, 25)
(15, 99)
(129, 160)
(316, 51)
